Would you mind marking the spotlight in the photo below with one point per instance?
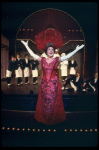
(28, 129)
(76, 130)
(23, 129)
(33, 129)
(38, 129)
(70, 130)
(81, 130)
(91, 130)
(18, 129)
(86, 130)
(65, 130)
(54, 130)
(3, 128)
(49, 130)
(13, 129)
(8, 128)
(43, 130)
(95, 129)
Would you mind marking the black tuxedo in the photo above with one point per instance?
(34, 65)
(11, 66)
(26, 64)
(18, 63)
(79, 83)
(93, 83)
(71, 65)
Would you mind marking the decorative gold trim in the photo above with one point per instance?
(26, 39)
(72, 40)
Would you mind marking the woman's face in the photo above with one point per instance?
(50, 51)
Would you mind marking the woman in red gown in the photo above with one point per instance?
(50, 109)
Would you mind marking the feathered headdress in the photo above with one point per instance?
(49, 35)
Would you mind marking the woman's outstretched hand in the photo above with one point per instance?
(72, 53)
(30, 51)
(79, 47)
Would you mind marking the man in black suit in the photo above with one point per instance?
(92, 83)
(76, 82)
(18, 69)
(26, 68)
(35, 64)
(72, 65)
(11, 67)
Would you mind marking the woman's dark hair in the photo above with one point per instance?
(49, 45)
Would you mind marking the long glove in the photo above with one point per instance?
(29, 50)
(72, 53)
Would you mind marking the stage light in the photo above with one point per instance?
(23, 29)
(69, 30)
(76, 30)
(95, 129)
(54, 130)
(65, 130)
(81, 130)
(33, 129)
(8, 128)
(28, 129)
(91, 130)
(72, 30)
(18, 129)
(76, 130)
(31, 29)
(49, 130)
(23, 129)
(70, 130)
(13, 129)
(86, 130)
(43, 130)
(38, 130)
(27, 29)
(3, 128)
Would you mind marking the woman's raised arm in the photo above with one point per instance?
(71, 54)
(30, 51)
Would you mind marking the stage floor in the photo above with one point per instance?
(20, 129)
(25, 89)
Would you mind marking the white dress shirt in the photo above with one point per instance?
(77, 78)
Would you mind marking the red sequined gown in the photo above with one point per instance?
(50, 109)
